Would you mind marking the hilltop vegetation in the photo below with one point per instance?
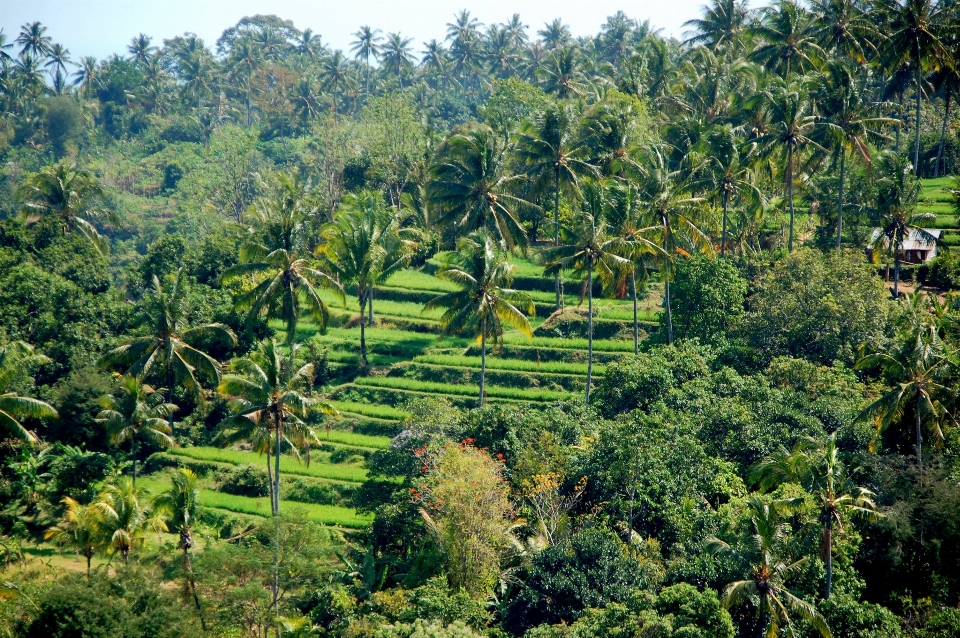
(519, 334)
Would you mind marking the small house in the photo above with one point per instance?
(919, 247)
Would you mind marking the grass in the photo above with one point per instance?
(326, 514)
(455, 389)
(355, 440)
(288, 465)
(418, 280)
(371, 410)
(599, 345)
(517, 365)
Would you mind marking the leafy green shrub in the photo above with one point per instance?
(319, 493)
(944, 272)
(707, 298)
(245, 480)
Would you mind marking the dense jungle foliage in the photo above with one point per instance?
(514, 333)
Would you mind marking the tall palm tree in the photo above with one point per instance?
(68, 193)
(818, 466)
(140, 49)
(277, 258)
(472, 187)
(367, 44)
(850, 120)
(125, 516)
(668, 205)
(136, 412)
(180, 503)
(335, 75)
(33, 40)
(722, 26)
(484, 306)
(169, 349)
(398, 55)
(788, 42)
(590, 247)
(357, 248)
(561, 73)
(947, 80)
(920, 369)
(553, 152)
(80, 527)
(844, 30)
(15, 358)
(767, 569)
(917, 31)
(267, 394)
(898, 193)
(57, 60)
(791, 128)
(555, 34)
(86, 76)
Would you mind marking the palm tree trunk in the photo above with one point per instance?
(843, 167)
(723, 235)
(896, 145)
(363, 335)
(186, 542)
(133, 451)
(943, 133)
(666, 300)
(916, 143)
(370, 301)
(828, 543)
(762, 625)
(790, 195)
(636, 327)
(483, 358)
(916, 425)
(556, 232)
(276, 469)
(269, 476)
(88, 556)
(586, 400)
(896, 270)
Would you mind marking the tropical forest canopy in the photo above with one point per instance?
(505, 333)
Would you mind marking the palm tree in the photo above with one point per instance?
(137, 412)
(767, 571)
(266, 395)
(920, 369)
(472, 188)
(721, 27)
(15, 357)
(899, 191)
(170, 349)
(850, 119)
(843, 29)
(357, 249)
(5, 58)
(86, 76)
(817, 466)
(788, 42)
(58, 59)
(484, 305)
(552, 151)
(398, 55)
(561, 74)
(792, 124)
(67, 193)
(140, 49)
(277, 257)
(917, 31)
(80, 527)
(33, 40)
(125, 517)
(335, 75)
(181, 504)
(590, 247)
(555, 34)
(947, 80)
(367, 44)
(668, 205)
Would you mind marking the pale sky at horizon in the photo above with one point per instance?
(103, 27)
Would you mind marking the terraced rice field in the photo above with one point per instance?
(936, 198)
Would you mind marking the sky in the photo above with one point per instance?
(102, 27)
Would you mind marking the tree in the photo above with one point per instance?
(181, 504)
(722, 26)
(80, 527)
(267, 394)
(15, 357)
(554, 153)
(792, 124)
(920, 369)
(335, 75)
(767, 570)
(818, 466)
(484, 305)
(472, 188)
(897, 197)
(398, 55)
(362, 248)
(917, 31)
(850, 119)
(668, 205)
(277, 257)
(561, 73)
(33, 40)
(708, 298)
(787, 40)
(170, 349)
(137, 412)
(844, 29)
(67, 193)
(125, 517)
(590, 247)
(367, 44)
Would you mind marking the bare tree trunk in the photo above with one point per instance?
(790, 195)
(133, 451)
(896, 271)
(761, 629)
(666, 299)
(276, 469)
(828, 543)
(916, 423)
(363, 335)
(916, 143)
(636, 328)
(370, 301)
(943, 133)
(843, 167)
(723, 235)
(556, 232)
(483, 358)
(586, 400)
